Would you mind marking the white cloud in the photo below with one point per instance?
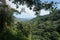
(28, 14)
(24, 15)
(44, 12)
(12, 5)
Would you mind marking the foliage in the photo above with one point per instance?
(40, 28)
(38, 5)
(46, 27)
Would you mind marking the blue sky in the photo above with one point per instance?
(29, 13)
(51, 0)
(58, 5)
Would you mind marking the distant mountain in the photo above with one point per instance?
(22, 19)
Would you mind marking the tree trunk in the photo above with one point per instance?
(2, 14)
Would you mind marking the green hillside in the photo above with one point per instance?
(46, 27)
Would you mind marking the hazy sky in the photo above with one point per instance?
(29, 13)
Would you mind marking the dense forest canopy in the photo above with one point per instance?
(40, 28)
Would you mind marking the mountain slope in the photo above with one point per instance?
(46, 27)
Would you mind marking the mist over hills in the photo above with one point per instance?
(22, 19)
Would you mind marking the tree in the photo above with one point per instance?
(38, 5)
(6, 13)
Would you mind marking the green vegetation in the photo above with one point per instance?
(40, 28)
(46, 27)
